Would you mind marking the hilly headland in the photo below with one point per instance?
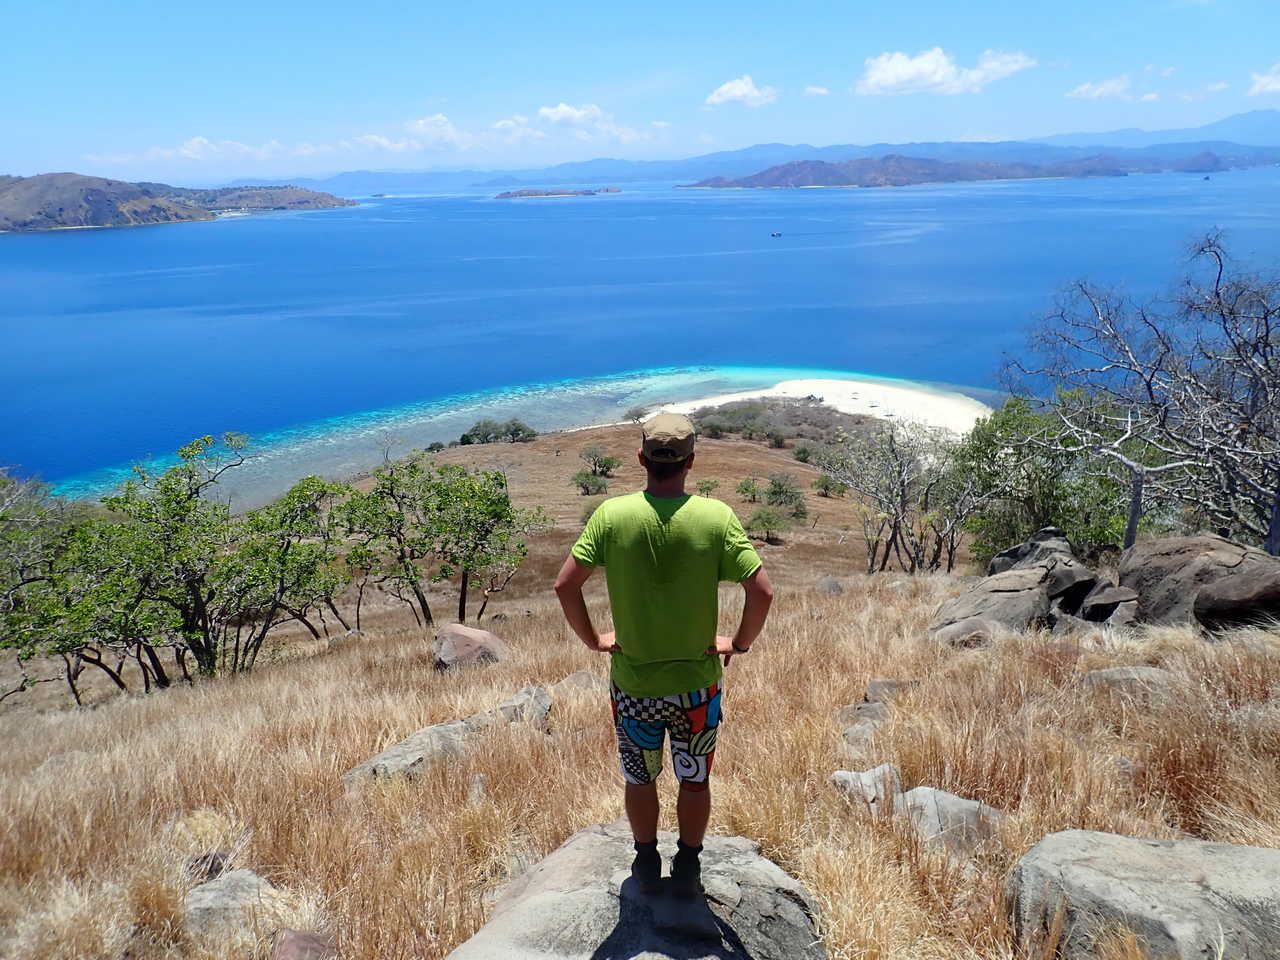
(51, 201)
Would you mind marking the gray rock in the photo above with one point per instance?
(1186, 899)
(1046, 543)
(1248, 597)
(974, 632)
(857, 734)
(1068, 582)
(407, 758)
(1169, 573)
(580, 904)
(829, 585)
(1148, 684)
(955, 824)
(1065, 625)
(581, 681)
(460, 646)
(1017, 599)
(862, 711)
(295, 945)
(1104, 600)
(882, 689)
(879, 788)
(234, 899)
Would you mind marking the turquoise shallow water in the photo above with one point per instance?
(328, 335)
(343, 446)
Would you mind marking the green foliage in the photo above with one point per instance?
(491, 431)
(599, 462)
(1025, 487)
(435, 447)
(749, 489)
(590, 484)
(784, 491)
(711, 428)
(803, 452)
(777, 439)
(828, 486)
(768, 522)
(708, 487)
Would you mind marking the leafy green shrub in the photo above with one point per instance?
(601, 464)
(590, 484)
(803, 452)
(707, 487)
(784, 491)
(828, 486)
(712, 429)
(517, 431)
(777, 439)
(636, 414)
(749, 490)
(768, 522)
(435, 447)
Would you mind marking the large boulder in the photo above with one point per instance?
(1250, 596)
(298, 945)
(407, 758)
(1149, 684)
(1015, 599)
(1107, 603)
(880, 788)
(234, 900)
(943, 820)
(459, 646)
(580, 903)
(1169, 573)
(1043, 544)
(1185, 899)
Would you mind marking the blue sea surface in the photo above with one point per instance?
(329, 335)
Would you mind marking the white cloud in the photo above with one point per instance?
(587, 113)
(1149, 97)
(438, 132)
(812, 91)
(1218, 87)
(742, 90)
(1268, 82)
(1168, 71)
(516, 129)
(933, 71)
(1117, 88)
(590, 122)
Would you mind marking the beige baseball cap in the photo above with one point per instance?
(668, 438)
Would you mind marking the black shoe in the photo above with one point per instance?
(686, 871)
(646, 868)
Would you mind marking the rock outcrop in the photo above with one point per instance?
(1251, 596)
(581, 904)
(949, 822)
(234, 900)
(1185, 899)
(1016, 599)
(460, 646)
(408, 757)
(1043, 544)
(1169, 573)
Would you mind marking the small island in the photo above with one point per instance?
(525, 194)
(52, 201)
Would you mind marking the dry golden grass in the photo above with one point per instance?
(102, 808)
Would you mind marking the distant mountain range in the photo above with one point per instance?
(897, 171)
(1244, 138)
(53, 200)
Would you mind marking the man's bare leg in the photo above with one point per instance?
(693, 811)
(641, 802)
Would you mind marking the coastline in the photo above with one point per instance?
(348, 446)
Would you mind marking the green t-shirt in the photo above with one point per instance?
(663, 559)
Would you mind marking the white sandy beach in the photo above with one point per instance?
(873, 398)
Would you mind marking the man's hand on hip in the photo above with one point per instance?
(724, 647)
(606, 643)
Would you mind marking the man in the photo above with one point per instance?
(664, 553)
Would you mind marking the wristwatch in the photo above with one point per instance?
(734, 644)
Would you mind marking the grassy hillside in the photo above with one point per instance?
(103, 808)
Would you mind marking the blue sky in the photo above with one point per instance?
(196, 92)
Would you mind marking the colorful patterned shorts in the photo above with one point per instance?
(691, 719)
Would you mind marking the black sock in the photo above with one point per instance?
(649, 847)
(688, 851)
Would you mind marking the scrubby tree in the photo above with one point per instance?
(636, 414)
(827, 486)
(749, 489)
(708, 487)
(599, 462)
(784, 491)
(590, 484)
(517, 431)
(768, 523)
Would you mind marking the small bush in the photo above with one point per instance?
(435, 447)
(830, 487)
(784, 491)
(712, 429)
(517, 431)
(707, 487)
(803, 453)
(636, 414)
(601, 464)
(768, 523)
(590, 484)
(749, 490)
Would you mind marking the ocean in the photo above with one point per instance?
(332, 335)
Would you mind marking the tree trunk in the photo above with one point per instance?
(1135, 508)
(162, 678)
(97, 661)
(328, 601)
(1273, 531)
(73, 674)
(462, 596)
(422, 602)
(359, 604)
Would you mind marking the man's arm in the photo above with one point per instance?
(755, 610)
(573, 575)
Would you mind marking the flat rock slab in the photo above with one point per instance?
(1186, 899)
(234, 899)
(407, 758)
(460, 646)
(876, 787)
(580, 903)
(1247, 598)
(1016, 599)
(1045, 543)
(1150, 684)
(943, 820)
